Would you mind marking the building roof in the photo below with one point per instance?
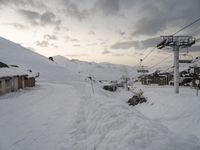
(13, 71)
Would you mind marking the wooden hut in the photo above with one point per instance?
(12, 79)
(5, 85)
(29, 81)
(21, 81)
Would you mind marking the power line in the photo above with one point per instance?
(173, 35)
(160, 61)
(141, 60)
(186, 26)
(168, 68)
(149, 53)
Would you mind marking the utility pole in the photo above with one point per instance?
(176, 42)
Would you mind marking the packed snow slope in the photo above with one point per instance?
(101, 71)
(63, 113)
(15, 54)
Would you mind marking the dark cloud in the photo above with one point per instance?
(49, 18)
(150, 26)
(31, 16)
(42, 43)
(151, 42)
(106, 52)
(43, 19)
(107, 7)
(122, 33)
(125, 45)
(72, 9)
(32, 3)
(50, 37)
(157, 16)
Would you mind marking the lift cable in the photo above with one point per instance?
(186, 26)
(173, 35)
(149, 53)
(161, 61)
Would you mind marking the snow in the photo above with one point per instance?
(179, 112)
(62, 112)
(14, 54)
(112, 124)
(13, 71)
(35, 118)
(101, 71)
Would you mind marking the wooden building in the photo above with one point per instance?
(29, 81)
(12, 79)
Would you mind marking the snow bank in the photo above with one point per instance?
(105, 122)
(179, 112)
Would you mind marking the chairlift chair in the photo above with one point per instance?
(142, 69)
(186, 58)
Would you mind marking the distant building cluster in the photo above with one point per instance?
(187, 77)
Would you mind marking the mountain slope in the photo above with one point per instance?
(101, 71)
(12, 53)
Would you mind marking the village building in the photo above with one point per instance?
(14, 78)
(156, 78)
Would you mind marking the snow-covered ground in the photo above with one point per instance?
(179, 112)
(36, 118)
(63, 113)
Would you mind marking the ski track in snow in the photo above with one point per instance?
(39, 117)
(70, 117)
(104, 122)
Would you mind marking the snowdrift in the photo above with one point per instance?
(105, 122)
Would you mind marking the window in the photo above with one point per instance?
(0, 84)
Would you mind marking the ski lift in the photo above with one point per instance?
(142, 69)
(186, 58)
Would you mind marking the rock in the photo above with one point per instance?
(51, 58)
(136, 99)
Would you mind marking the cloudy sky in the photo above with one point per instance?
(116, 31)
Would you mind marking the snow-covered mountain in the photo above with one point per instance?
(100, 71)
(15, 54)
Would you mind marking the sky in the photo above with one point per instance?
(116, 31)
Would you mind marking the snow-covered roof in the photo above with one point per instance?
(13, 71)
